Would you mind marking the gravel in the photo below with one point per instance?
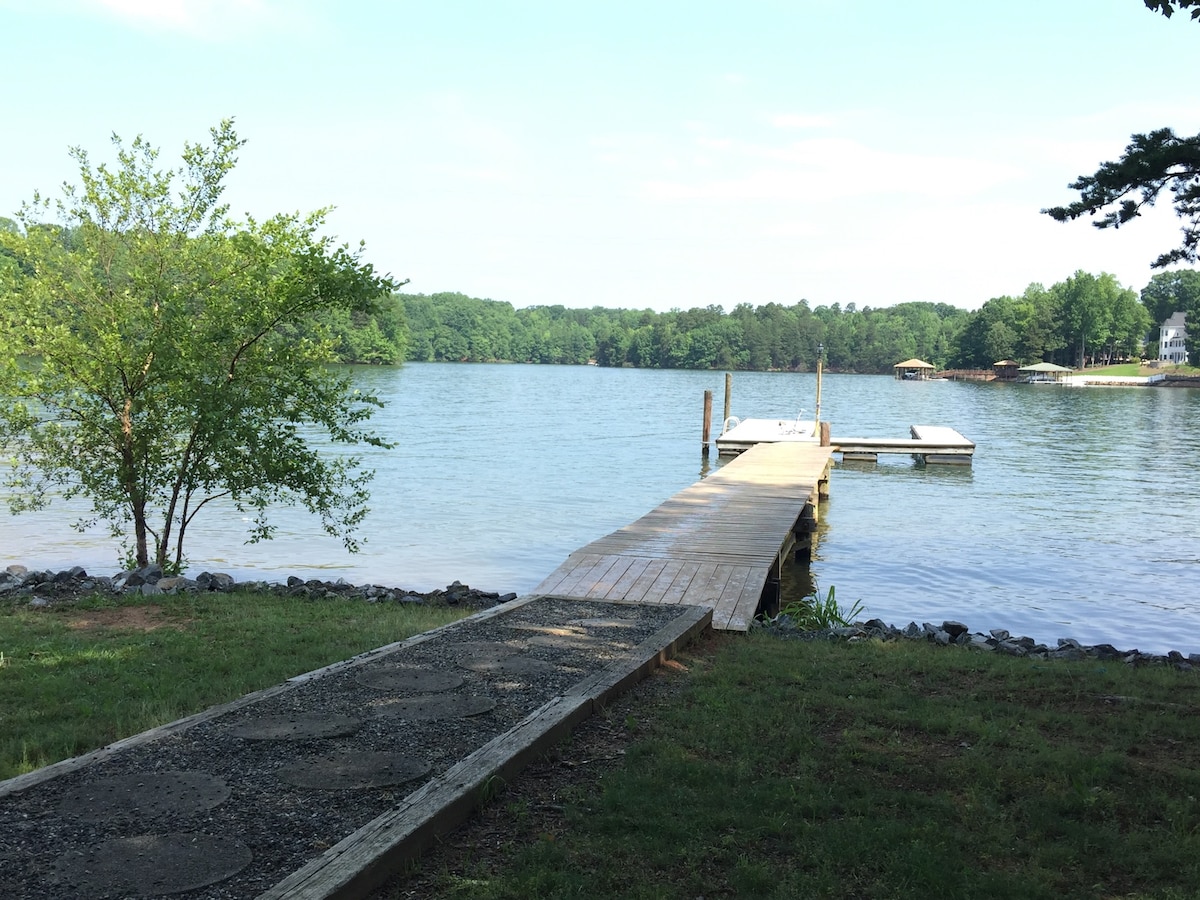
(510, 663)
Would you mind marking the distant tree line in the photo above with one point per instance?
(1085, 320)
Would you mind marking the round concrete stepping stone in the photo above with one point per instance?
(147, 795)
(408, 679)
(151, 865)
(511, 665)
(565, 641)
(353, 771)
(482, 650)
(295, 728)
(432, 707)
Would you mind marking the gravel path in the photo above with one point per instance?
(260, 790)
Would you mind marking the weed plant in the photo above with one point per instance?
(817, 613)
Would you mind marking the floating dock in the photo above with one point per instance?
(929, 443)
(720, 543)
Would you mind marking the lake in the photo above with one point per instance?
(1078, 517)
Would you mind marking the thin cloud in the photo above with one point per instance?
(831, 169)
(796, 121)
(199, 18)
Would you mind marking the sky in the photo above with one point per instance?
(653, 154)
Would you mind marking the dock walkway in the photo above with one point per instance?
(715, 544)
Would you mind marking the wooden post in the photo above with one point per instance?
(817, 421)
(707, 422)
(825, 438)
(728, 396)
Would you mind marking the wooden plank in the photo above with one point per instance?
(633, 574)
(715, 542)
(726, 605)
(75, 763)
(610, 578)
(358, 864)
(584, 572)
(747, 604)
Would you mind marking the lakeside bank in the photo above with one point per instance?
(40, 589)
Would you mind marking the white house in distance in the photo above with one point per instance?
(1172, 339)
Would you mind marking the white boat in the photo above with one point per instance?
(742, 434)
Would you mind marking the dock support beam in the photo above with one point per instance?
(707, 422)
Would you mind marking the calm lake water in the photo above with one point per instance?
(1078, 518)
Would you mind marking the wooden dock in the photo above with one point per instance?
(720, 543)
(931, 443)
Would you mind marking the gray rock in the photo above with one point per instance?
(954, 629)
(1012, 648)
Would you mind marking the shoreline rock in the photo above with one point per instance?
(44, 588)
(997, 640)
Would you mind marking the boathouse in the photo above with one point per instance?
(1006, 369)
(1044, 373)
(913, 370)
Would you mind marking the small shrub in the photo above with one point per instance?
(815, 613)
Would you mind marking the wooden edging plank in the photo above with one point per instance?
(365, 859)
(29, 779)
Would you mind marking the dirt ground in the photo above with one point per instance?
(125, 618)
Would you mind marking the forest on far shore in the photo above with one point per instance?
(1082, 321)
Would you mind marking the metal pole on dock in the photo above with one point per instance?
(817, 423)
(707, 422)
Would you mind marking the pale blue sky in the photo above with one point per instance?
(653, 154)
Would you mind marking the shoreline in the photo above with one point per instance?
(45, 588)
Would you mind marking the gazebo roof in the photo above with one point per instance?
(1005, 362)
(1044, 367)
(913, 364)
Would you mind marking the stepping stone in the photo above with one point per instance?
(571, 641)
(353, 771)
(149, 795)
(151, 865)
(484, 650)
(436, 706)
(295, 728)
(407, 679)
(512, 665)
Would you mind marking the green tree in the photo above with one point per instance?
(1168, 7)
(1119, 190)
(1152, 162)
(1172, 292)
(151, 364)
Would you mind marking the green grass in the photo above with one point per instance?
(900, 770)
(1127, 369)
(75, 678)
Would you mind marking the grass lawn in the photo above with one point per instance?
(1128, 369)
(77, 677)
(783, 769)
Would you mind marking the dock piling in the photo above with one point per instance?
(707, 422)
